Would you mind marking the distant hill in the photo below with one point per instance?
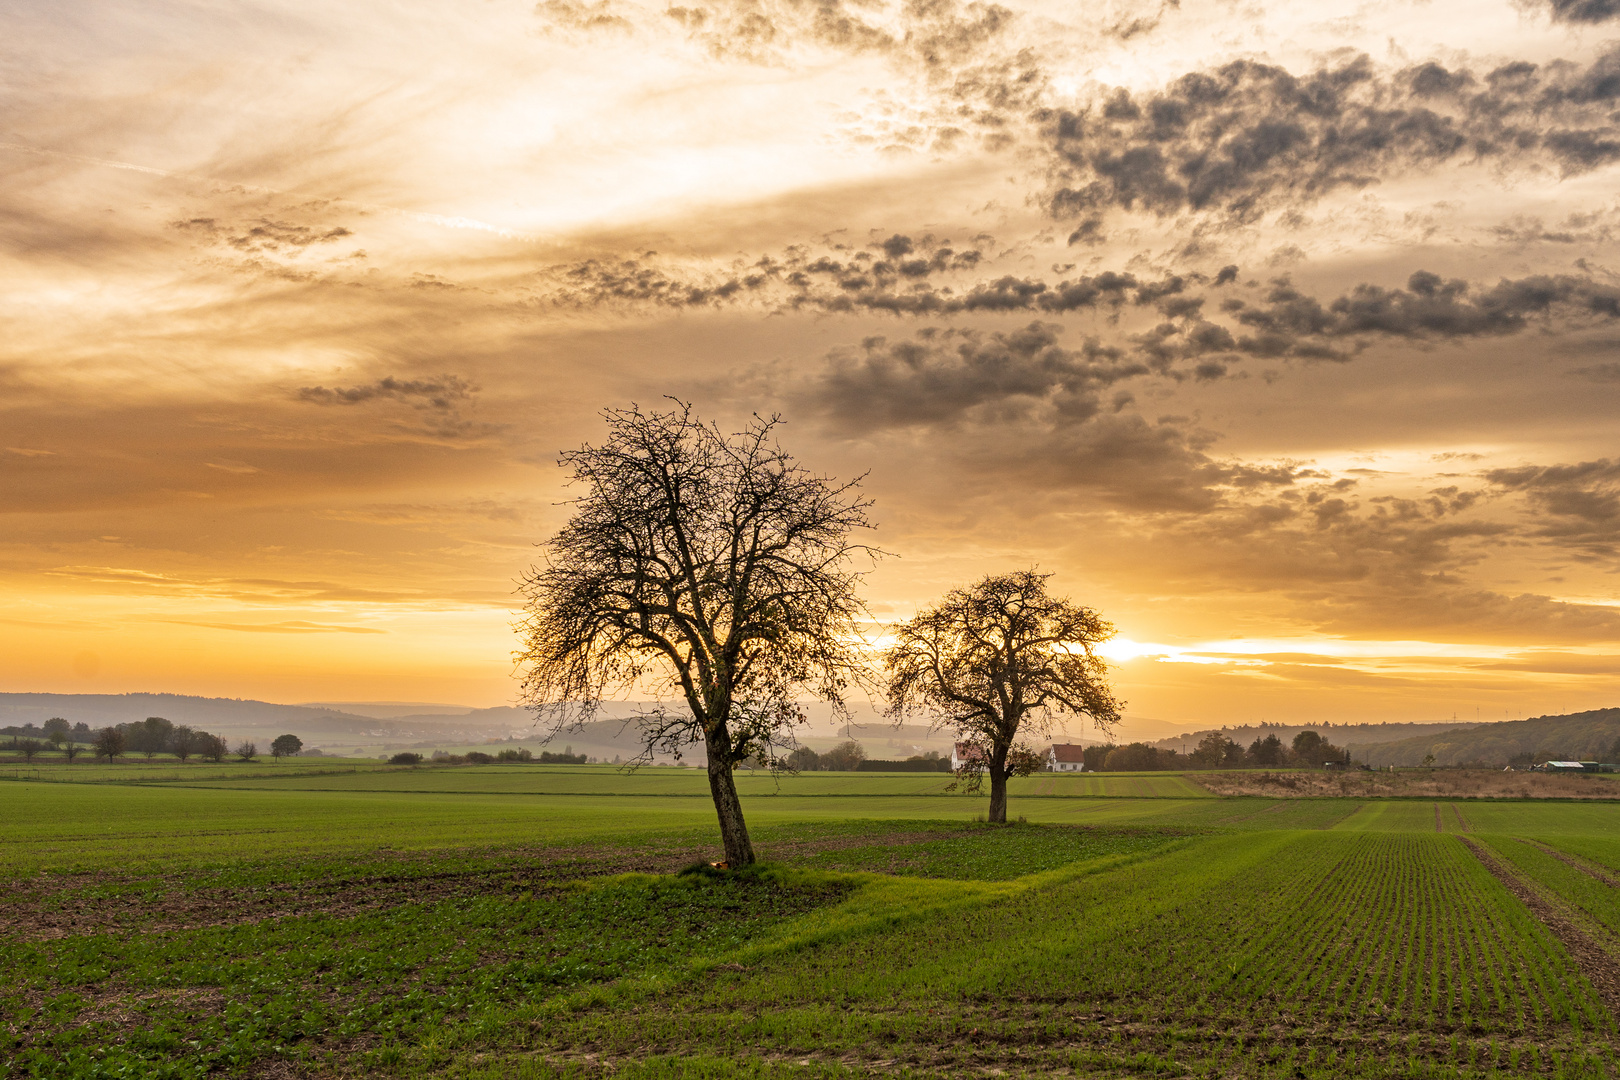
(388, 710)
(1584, 736)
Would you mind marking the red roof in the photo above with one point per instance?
(969, 752)
(1068, 752)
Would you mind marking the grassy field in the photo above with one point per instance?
(285, 921)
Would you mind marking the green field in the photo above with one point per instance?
(490, 921)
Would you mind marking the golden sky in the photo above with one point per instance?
(1288, 335)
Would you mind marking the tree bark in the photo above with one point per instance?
(998, 795)
(727, 805)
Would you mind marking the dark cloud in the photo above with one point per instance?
(1018, 410)
(264, 234)
(942, 376)
(1245, 136)
(1582, 11)
(1575, 506)
(573, 15)
(444, 392)
(903, 276)
(1276, 320)
(981, 85)
(1603, 373)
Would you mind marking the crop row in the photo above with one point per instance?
(1389, 948)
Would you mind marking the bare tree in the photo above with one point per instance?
(29, 749)
(997, 660)
(246, 750)
(71, 750)
(711, 567)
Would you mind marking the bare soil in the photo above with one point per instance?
(1411, 783)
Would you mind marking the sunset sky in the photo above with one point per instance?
(1287, 335)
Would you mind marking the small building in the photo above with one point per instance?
(967, 754)
(1066, 757)
(1565, 766)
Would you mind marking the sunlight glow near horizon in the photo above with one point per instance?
(1254, 651)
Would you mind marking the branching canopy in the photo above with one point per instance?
(713, 567)
(999, 659)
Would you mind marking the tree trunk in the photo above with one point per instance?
(728, 807)
(998, 796)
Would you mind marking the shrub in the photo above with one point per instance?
(804, 759)
(286, 746)
(548, 758)
(1134, 757)
(405, 757)
(520, 754)
(845, 757)
(478, 757)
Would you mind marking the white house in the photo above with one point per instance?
(965, 753)
(1066, 757)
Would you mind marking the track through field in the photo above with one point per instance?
(1593, 961)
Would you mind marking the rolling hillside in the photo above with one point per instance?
(1584, 736)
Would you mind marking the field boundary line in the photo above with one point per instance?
(1572, 861)
(1591, 958)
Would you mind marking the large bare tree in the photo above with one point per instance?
(713, 568)
(997, 660)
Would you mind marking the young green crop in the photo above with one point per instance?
(431, 932)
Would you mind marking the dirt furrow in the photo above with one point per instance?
(1591, 959)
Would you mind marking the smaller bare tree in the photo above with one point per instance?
(246, 750)
(29, 749)
(182, 742)
(997, 660)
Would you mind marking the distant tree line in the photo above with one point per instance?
(1523, 758)
(845, 757)
(478, 757)
(150, 737)
(1216, 751)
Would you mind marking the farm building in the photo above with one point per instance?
(1066, 757)
(967, 754)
